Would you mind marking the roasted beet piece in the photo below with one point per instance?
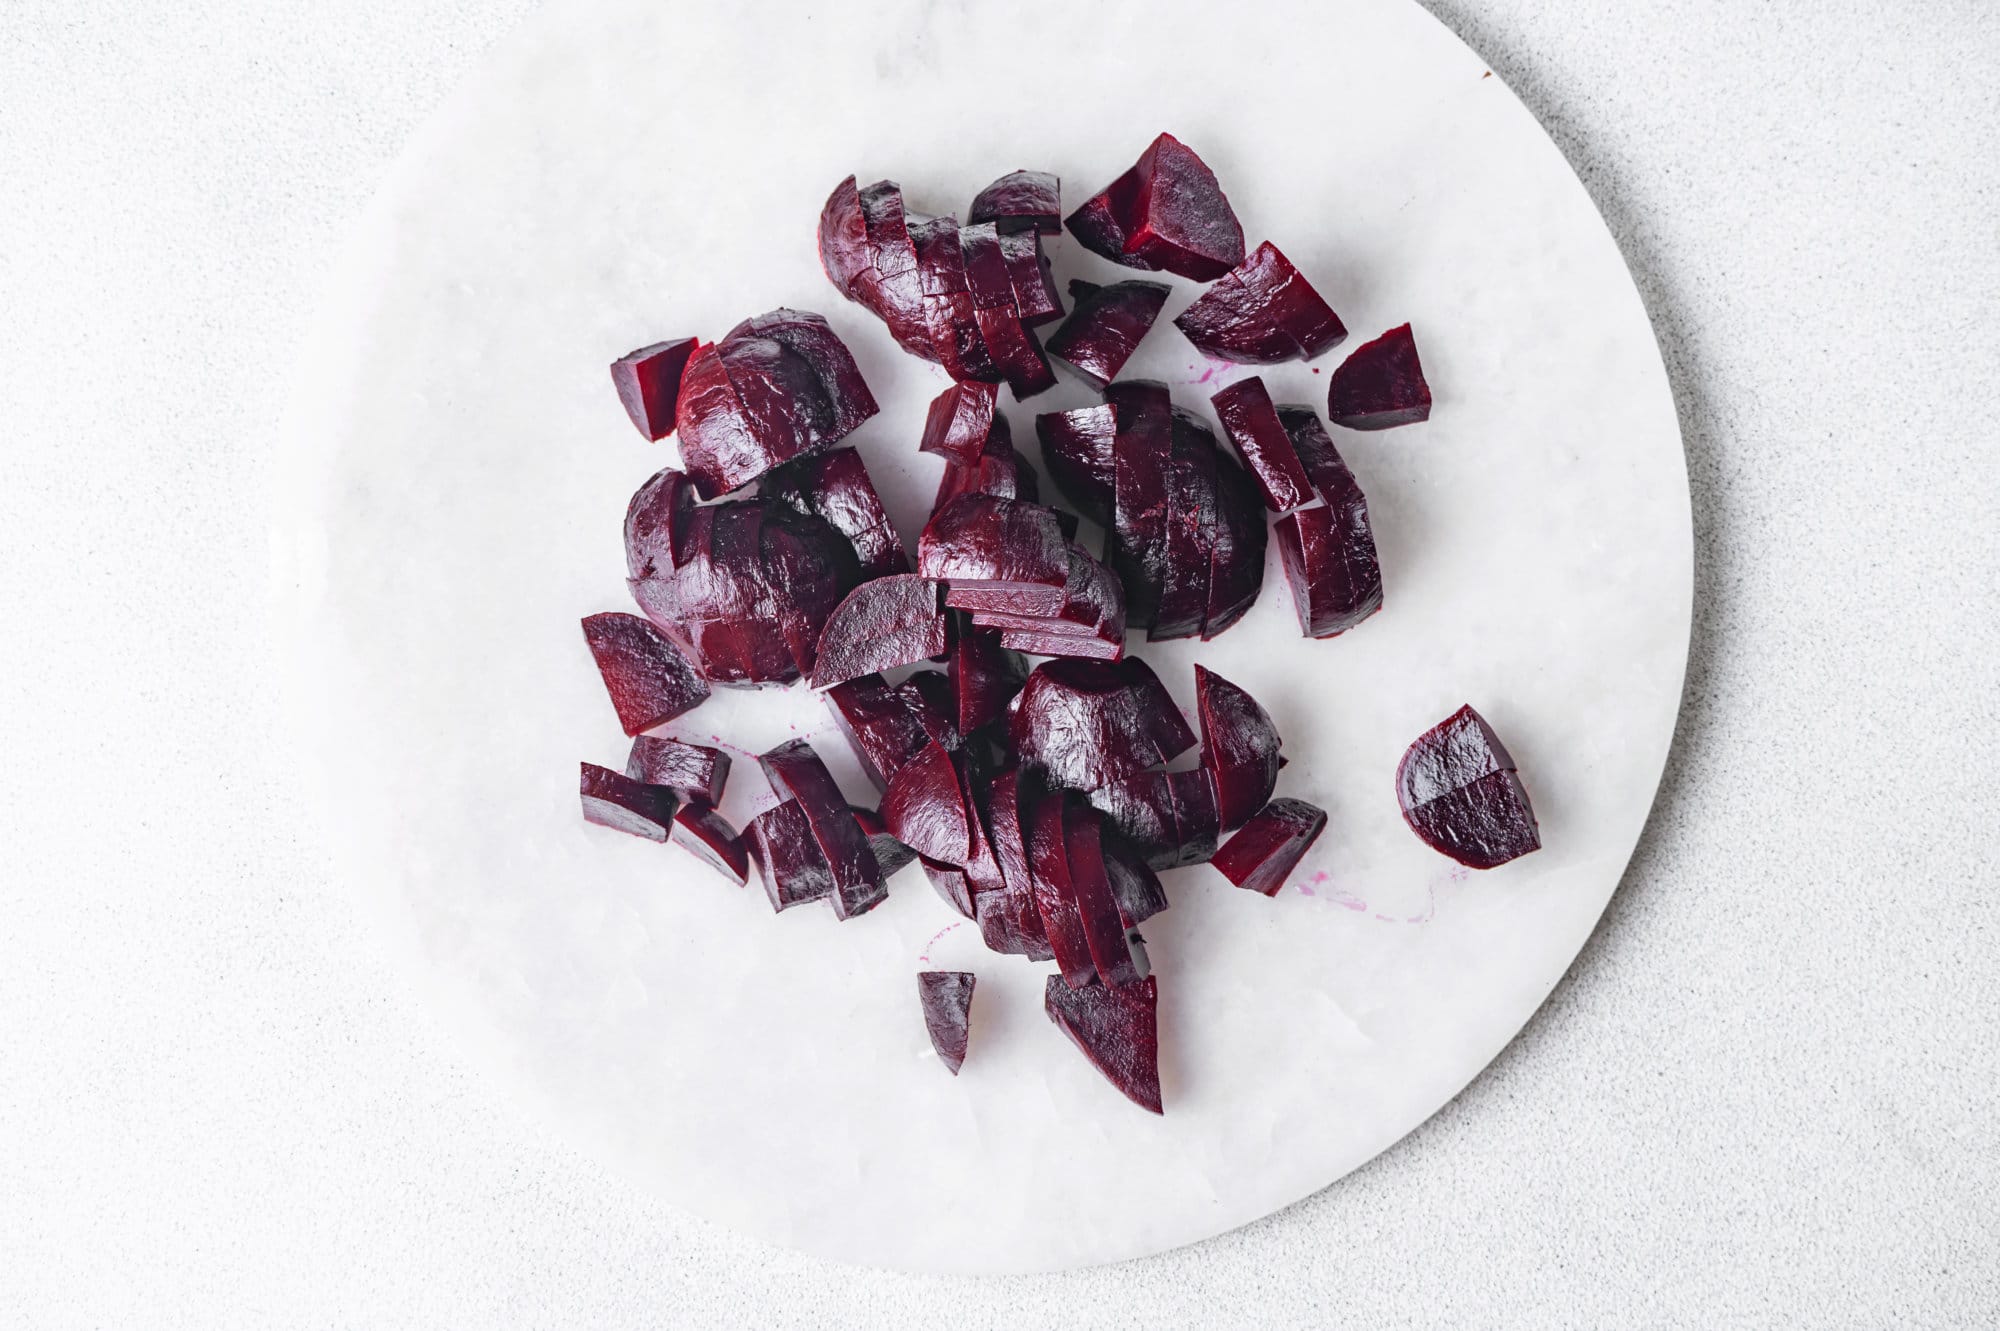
(1167, 212)
(780, 840)
(882, 624)
(720, 606)
(879, 724)
(1092, 613)
(1328, 550)
(934, 703)
(844, 253)
(924, 806)
(1055, 901)
(1035, 296)
(657, 524)
(949, 312)
(1032, 643)
(959, 421)
(807, 568)
(1077, 450)
(1263, 853)
(1251, 421)
(1134, 886)
(890, 853)
(1189, 541)
(1020, 201)
(796, 773)
(1009, 920)
(1087, 723)
(704, 833)
(650, 682)
(1090, 883)
(1169, 818)
(984, 675)
(696, 771)
(611, 799)
(1380, 385)
(1141, 458)
(1238, 744)
(947, 1000)
(951, 884)
(1104, 329)
(1000, 471)
(1012, 555)
(834, 487)
(649, 381)
(1261, 313)
(1117, 1029)
(1009, 341)
(1236, 567)
(898, 295)
(813, 340)
(1460, 794)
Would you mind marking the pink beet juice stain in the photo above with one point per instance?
(925, 955)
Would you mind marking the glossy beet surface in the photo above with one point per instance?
(1035, 297)
(1077, 450)
(612, 799)
(950, 313)
(880, 625)
(834, 486)
(707, 835)
(1261, 313)
(946, 997)
(1088, 723)
(649, 680)
(1009, 920)
(984, 675)
(1189, 541)
(1141, 459)
(649, 381)
(796, 773)
(865, 248)
(657, 524)
(924, 806)
(1167, 212)
(881, 726)
(1010, 342)
(1020, 201)
(1104, 328)
(1116, 1029)
(1000, 472)
(1250, 419)
(1135, 888)
(951, 884)
(1239, 745)
(959, 421)
(890, 853)
(1090, 883)
(1460, 794)
(1236, 567)
(1013, 549)
(1055, 900)
(780, 841)
(696, 771)
(1328, 550)
(1170, 819)
(1380, 385)
(1263, 853)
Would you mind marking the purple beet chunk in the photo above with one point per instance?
(882, 624)
(809, 336)
(796, 773)
(959, 422)
(1031, 643)
(879, 724)
(1103, 222)
(1093, 606)
(1090, 882)
(949, 311)
(658, 523)
(1077, 450)
(1236, 567)
(951, 884)
(1239, 745)
(1380, 385)
(780, 840)
(1169, 818)
(1117, 1029)
(1455, 752)
(1104, 329)
(696, 771)
(896, 290)
(1012, 346)
(1009, 920)
(1000, 472)
(1197, 816)
(1262, 313)
(649, 382)
(747, 405)
(612, 799)
(1134, 886)
(984, 675)
(834, 486)
(1167, 212)
(1263, 853)
(1035, 296)
(1087, 723)
(1141, 455)
(1459, 792)
(1003, 546)
(890, 853)
(1020, 201)
(1190, 530)
(703, 832)
(947, 1000)
(924, 806)
(934, 703)
(807, 568)
(844, 252)
(1251, 421)
(1333, 589)
(650, 682)
(1055, 901)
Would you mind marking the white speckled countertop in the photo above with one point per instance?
(1766, 1094)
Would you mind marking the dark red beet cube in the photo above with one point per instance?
(1020, 201)
(1263, 853)
(960, 421)
(1087, 723)
(947, 1000)
(1190, 529)
(1091, 622)
(1380, 385)
(1090, 882)
(1035, 296)
(611, 799)
(704, 833)
(658, 524)
(1262, 313)
(880, 625)
(1134, 886)
(924, 806)
(890, 853)
(1168, 212)
(1104, 329)
(949, 311)
(649, 382)
(1008, 340)
(1334, 585)
(797, 774)
(696, 771)
(1250, 419)
(984, 675)
(1013, 550)
(1077, 450)
(1141, 457)
(1117, 1029)
(650, 682)
(879, 723)
(1461, 795)
(1236, 567)
(780, 840)
(834, 487)
(1239, 746)
(1055, 901)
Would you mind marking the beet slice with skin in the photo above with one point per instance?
(879, 724)
(1453, 753)
(1189, 541)
(1460, 794)
(946, 997)
(924, 806)
(1380, 385)
(1087, 723)
(1007, 547)
(658, 523)
(612, 799)
(834, 487)
(1009, 341)
(806, 569)
(959, 422)
(934, 703)
(812, 339)
(1009, 920)
(1117, 1029)
(1077, 450)
(1090, 883)
(890, 853)
(649, 383)
(1055, 901)
(1035, 297)
(1000, 472)
(1106, 325)
(780, 841)
(1260, 313)
(649, 680)
(1250, 419)
(1328, 551)
(984, 675)
(1135, 888)
(707, 835)
(880, 625)
(694, 771)
(1236, 566)
(1239, 745)
(844, 253)
(1170, 819)
(1167, 212)
(1020, 201)
(1265, 850)
(796, 773)
(1141, 455)
(951, 884)
(949, 311)
(898, 295)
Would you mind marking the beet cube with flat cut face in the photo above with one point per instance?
(1167, 212)
(880, 625)
(1034, 281)
(797, 774)
(1087, 723)
(781, 842)
(1020, 201)
(1380, 385)
(1461, 795)
(649, 381)
(1263, 853)
(1117, 1029)
(704, 833)
(650, 682)
(947, 1002)
(959, 422)
(695, 771)
(1104, 329)
(611, 799)
(1261, 313)
(984, 675)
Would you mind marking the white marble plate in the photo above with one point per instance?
(641, 171)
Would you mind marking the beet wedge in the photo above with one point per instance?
(1008, 554)
(1461, 795)
(950, 313)
(890, 853)
(1170, 819)
(1104, 328)
(1239, 746)
(1000, 472)
(707, 835)
(1328, 550)
(657, 524)
(1087, 723)
(880, 625)
(649, 382)
(952, 885)
(880, 725)
(1117, 1029)
(1236, 566)
(924, 806)
(1010, 342)
(1188, 544)
(959, 422)
(1265, 850)
(1020, 201)
(984, 675)
(1380, 385)
(612, 799)
(1250, 419)
(797, 774)
(781, 843)
(1262, 312)
(1055, 900)
(1077, 450)
(946, 997)
(693, 771)
(1009, 920)
(1167, 212)
(1090, 622)
(649, 680)
(1035, 297)
(834, 487)
(1090, 884)
(1141, 458)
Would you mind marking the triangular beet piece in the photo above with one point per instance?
(924, 806)
(649, 382)
(959, 422)
(612, 799)
(947, 1001)
(796, 772)
(1250, 419)
(695, 771)
(1104, 329)
(706, 834)
(1261, 313)
(1239, 746)
(1090, 882)
(1035, 297)
(1380, 385)
(1263, 853)
(1020, 201)
(781, 842)
(1117, 1029)
(1167, 212)
(1077, 450)
(649, 680)
(1055, 901)
(880, 625)
(1236, 566)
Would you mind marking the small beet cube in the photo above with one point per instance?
(880, 725)
(960, 421)
(696, 771)
(1461, 795)
(1236, 567)
(1055, 901)
(1090, 882)
(947, 1001)
(1454, 753)
(890, 853)
(703, 832)
(780, 840)
(649, 382)
(1020, 201)
(984, 675)
(1261, 313)
(1117, 1029)
(1265, 850)
(834, 487)
(1189, 543)
(1077, 450)
(797, 774)
(1104, 329)
(1035, 296)
(1167, 212)
(1169, 818)
(1380, 385)
(880, 625)
(894, 290)
(1251, 421)
(612, 799)
(650, 682)
(1088, 723)
(1141, 457)
(924, 806)
(1012, 549)
(1239, 746)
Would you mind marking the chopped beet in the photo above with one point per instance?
(1118, 1031)
(1167, 212)
(879, 724)
(947, 1002)
(844, 253)
(612, 799)
(1239, 745)
(1189, 542)
(808, 567)
(796, 773)
(1170, 818)
(924, 806)
(658, 523)
(890, 853)
(1103, 331)
(882, 624)
(834, 487)
(648, 382)
(1263, 853)
(696, 771)
(959, 422)
(1251, 422)
(1328, 550)
(1055, 902)
(1012, 346)
(1035, 296)
(649, 680)
(703, 832)
(1090, 883)
(952, 885)
(1031, 643)
(1077, 450)
(1009, 920)
(1262, 313)
(1141, 456)
(1020, 201)
(934, 703)
(780, 840)
(1000, 472)
(1380, 385)
(1461, 795)
(1088, 723)
(897, 291)
(813, 340)
(1014, 550)
(1236, 567)
(949, 311)
(1134, 886)
(985, 676)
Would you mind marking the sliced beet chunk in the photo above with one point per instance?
(1000, 471)
(1009, 341)
(834, 487)
(1055, 900)
(924, 806)
(1261, 313)
(780, 840)
(809, 337)
(1077, 450)
(890, 853)
(1090, 882)
(1104, 328)
(1461, 795)
(649, 382)
(1265, 850)
(1009, 920)
(1250, 419)
(1454, 753)
(1141, 458)
(1008, 548)
(1087, 723)
(1020, 201)
(806, 568)
(696, 771)
(985, 676)
(612, 799)
(706, 834)
(1032, 643)
(949, 311)
(893, 289)
(1169, 818)
(1189, 543)
(933, 701)
(1134, 886)
(1035, 297)
(1167, 212)
(649, 680)
(947, 1002)
(658, 523)
(1091, 619)
(844, 252)
(880, 725)
(1239, 746)
(951, 884)
(1380, 385)
(880, 625)
(1328, 550)
(1117, 1029)
(1236, 567)
(959, 422)
(796, 773)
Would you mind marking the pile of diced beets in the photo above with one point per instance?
(1039, 802)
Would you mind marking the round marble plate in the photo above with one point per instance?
(638, 171)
